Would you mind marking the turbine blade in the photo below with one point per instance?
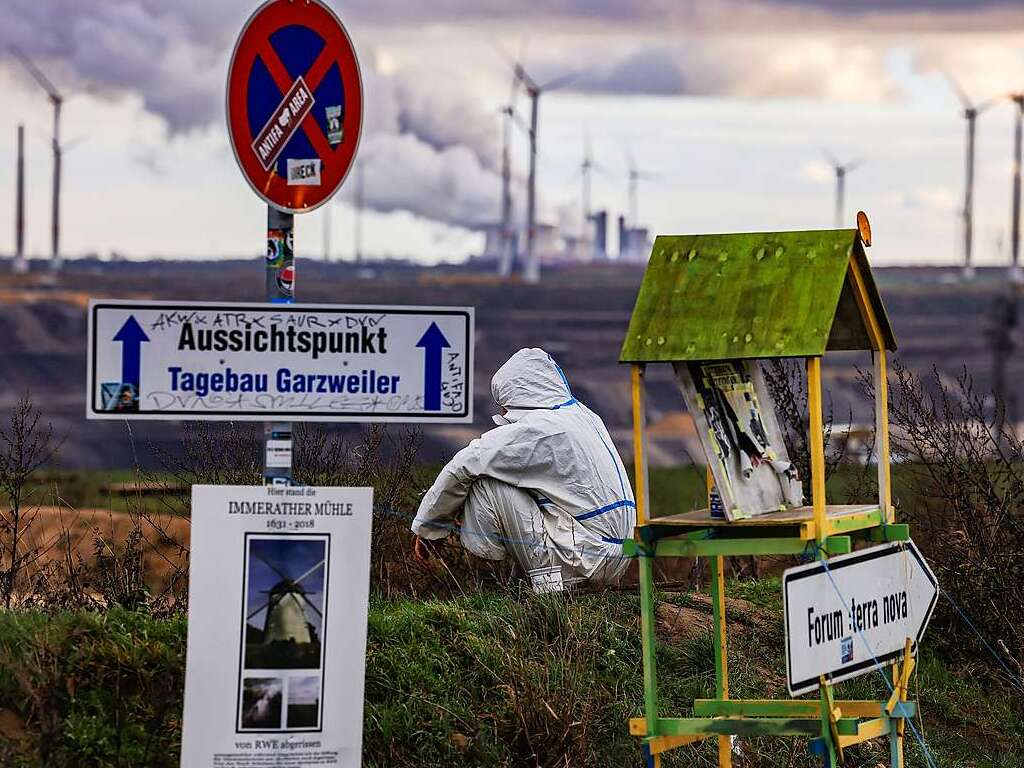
(307, 573)
(831, 158)
(270, 565)
(264, 605)
(560, 82)
(33, 70)
(503, 52)
(987, 104)
(853, 164)
(67, 146)
(310, 604)
(520, 123)
(961, 94)
(601, 168)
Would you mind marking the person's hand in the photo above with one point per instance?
(420, 550)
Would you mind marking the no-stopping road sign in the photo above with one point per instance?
(300, 362)
(294, 103)
(854, 613)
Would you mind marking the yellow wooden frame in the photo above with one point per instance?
(877, 719)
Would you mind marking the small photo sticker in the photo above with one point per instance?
(335, 129)
(846, 650)
(119, 397)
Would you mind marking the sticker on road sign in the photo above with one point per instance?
(279, 453)
(282, 124)
(296, 362)
(294, 91)
(279, 247)
(304, 172)
(335, 131)
(286, 279)
(855, 614)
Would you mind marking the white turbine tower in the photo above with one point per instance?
(531, 273)
(970, 113)
(840, 170)
(506, 258)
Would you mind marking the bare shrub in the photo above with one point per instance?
(26, 445)
(961, 479)
(787, 385)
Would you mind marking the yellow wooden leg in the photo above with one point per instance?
(817, 444)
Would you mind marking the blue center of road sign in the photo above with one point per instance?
(297, 48)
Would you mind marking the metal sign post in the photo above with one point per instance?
(294, 106)
(280, 289)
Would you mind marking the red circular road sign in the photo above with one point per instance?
(294, 103)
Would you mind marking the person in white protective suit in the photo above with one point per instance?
(546, 486)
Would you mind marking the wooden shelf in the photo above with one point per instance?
(701, 518)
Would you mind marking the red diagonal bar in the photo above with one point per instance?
(319, 68)
(283, 81)
(277, 71)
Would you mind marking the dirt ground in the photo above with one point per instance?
(58, 531)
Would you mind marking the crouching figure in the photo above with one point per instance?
(546, 487)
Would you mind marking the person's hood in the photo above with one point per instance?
(529, 380)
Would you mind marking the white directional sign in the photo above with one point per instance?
(855, 613)
(294, 362)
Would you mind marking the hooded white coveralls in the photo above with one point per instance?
(546, 486)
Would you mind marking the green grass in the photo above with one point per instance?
(483, 680)
(85, 489)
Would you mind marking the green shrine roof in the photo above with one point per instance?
(752, 295)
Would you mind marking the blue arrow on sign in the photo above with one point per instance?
(433, 341)
(131, 337)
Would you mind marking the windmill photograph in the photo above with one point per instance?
(284, 602)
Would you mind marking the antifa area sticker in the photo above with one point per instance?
(283, 123)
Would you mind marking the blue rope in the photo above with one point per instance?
(878, 664)
(530, 544)
(1013, 677)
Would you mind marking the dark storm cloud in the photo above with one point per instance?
(897, 6)
(653, 71)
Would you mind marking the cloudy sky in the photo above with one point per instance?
(727, 102)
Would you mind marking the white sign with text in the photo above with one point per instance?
(288, 362)
(850, 614)
(278, 591)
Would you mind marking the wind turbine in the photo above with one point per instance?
(970, 113)
(359, 203)
(507, 256)
(534, 90)
(587, 167)
(57, 100)
(20, 266)
(1015, 275)
(634, 175)
(840, 170)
